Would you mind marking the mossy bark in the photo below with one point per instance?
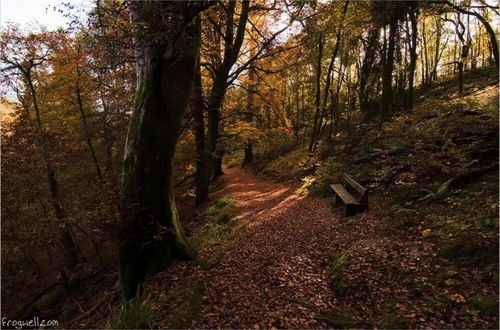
(151, 235)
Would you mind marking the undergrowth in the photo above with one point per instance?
(134, 314)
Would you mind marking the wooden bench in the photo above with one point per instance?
(352, 195)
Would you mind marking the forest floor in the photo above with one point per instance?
(287, 260)
(425, 255)
(278, 255)
(275, 263)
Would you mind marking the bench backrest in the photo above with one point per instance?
(353, 186)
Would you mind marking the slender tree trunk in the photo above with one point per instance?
(232, 46)
(330, 68)
(86, 131)
(433, 76)
(248, 154)
(336, 97)
(387, 96)
(297, 110)
(366, 69)
(460, 31)
(489, 29)
(426, 56)
(413, 12)
(66, 235)
(199, 132)
(107, 134)
(318, 94)
(151, 234)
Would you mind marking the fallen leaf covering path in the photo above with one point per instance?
(276, 263)
(279, 258)
(274, 273)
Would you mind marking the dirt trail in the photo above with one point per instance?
(279, 259)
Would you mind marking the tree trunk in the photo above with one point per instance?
(248, 154)
(107, 134)
(199, 132)
(489, 29)
(413, 12)
(318, 94)
(86, 132)
(387, 98)
(437, 56)
(232, 46)
(425, 64)
(366, 69)
(66, 236)
(151, 234)
(330, 67)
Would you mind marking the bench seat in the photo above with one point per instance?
(352, 196)
(344, 195)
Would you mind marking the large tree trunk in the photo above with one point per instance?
(151, 235)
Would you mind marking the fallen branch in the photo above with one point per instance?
(93, 309)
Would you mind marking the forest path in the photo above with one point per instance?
(278, 261)
(281, 258)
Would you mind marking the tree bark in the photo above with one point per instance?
(151, 234)
(312, 141)
(387, 95)
(199, 132)
(248, 154)
(413, 13)
(367, 68)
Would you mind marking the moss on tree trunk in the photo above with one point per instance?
(151, 232)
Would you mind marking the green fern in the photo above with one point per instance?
(435, 191)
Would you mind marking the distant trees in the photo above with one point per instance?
(62, 149)
(232, 37)
(225, 28)
(26, 58)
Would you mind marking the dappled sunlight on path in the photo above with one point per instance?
(278, 260)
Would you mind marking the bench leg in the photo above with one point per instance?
(350, 211)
